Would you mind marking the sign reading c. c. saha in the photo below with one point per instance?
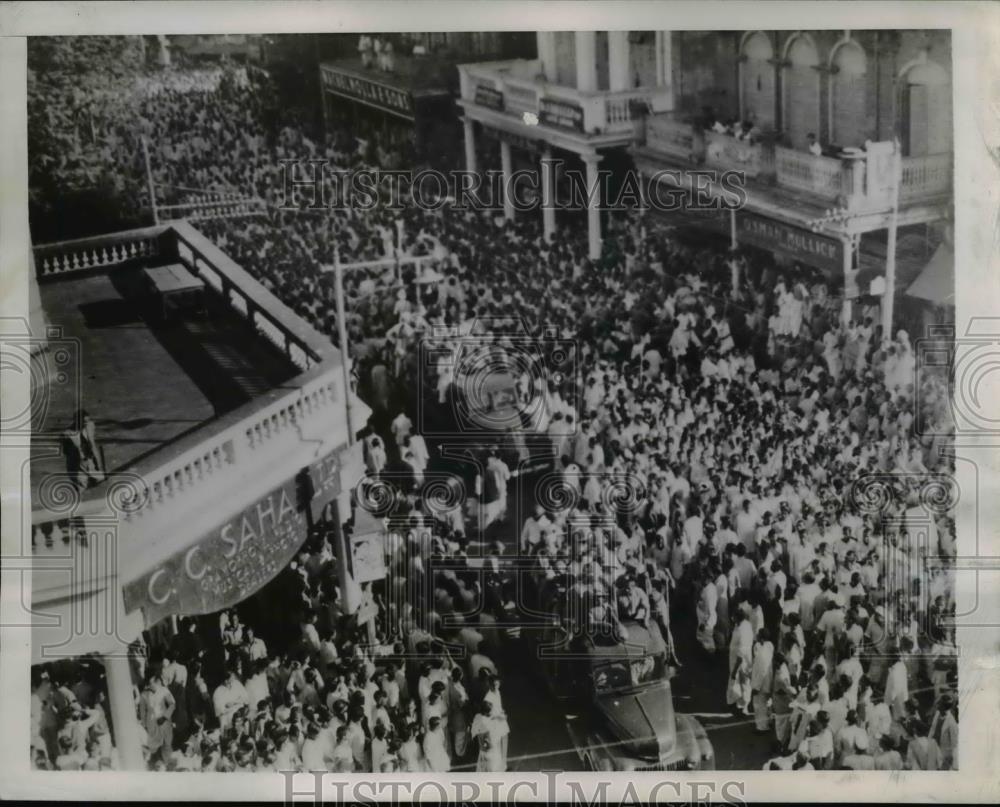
(245, 553)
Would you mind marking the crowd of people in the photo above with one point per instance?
(322, 693)
(727, 443)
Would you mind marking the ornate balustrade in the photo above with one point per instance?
(225, 450)
(675, 138)
(523, 90)
(726, 152)
(825, 177)
(99, 252)
(925, 177)
(622, 109)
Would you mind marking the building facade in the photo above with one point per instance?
(408, 97)
(583, 96)
(210, 473)
(812, 119)
(809, 118)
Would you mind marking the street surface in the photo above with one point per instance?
(539, 739)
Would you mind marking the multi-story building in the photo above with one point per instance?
(187, 429)
(827, 108)
(411, 104)
(664, 95)
(582, 97)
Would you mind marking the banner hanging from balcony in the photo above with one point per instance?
(245, 553)
(560, 113)
(795, 242)
(489, 97)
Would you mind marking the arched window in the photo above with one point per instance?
(757, 84)
(801, 109)
(848, 122)
(924, 108)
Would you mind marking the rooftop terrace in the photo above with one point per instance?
(143, 381)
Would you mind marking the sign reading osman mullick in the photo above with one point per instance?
(242, 555)
(798, 243)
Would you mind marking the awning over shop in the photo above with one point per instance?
(936, 283)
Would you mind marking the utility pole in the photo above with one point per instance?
(338, 275)
(889, 298)
(149, 180)
(345, 361)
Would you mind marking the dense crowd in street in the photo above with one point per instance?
(732, 446)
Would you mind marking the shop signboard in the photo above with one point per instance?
(796, 243)
(369, 92)
(239, 557)
(561, 114)
(489, 97)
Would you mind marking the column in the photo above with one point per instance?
(593, 206)
(667, 57)
(470, 144)
(845, 308)
(548, 194)
(618, 61)
(546, 41)
(123, 714)
(857, 181)
(658, 52)
(586, 61)
(507, 191)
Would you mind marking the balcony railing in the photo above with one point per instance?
(523, 90)
(825, 177)
(217, 455)
(683, 141)
(828, 179)
(726, 152)
(925, 177)
(303, 345)
(99, 252)
(520, 96)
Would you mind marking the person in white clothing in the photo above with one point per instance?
(435, 748)
(896, 688)
(761, 680)
(740, 661)
(401, 428)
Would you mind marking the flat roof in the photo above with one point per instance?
(144, 382)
